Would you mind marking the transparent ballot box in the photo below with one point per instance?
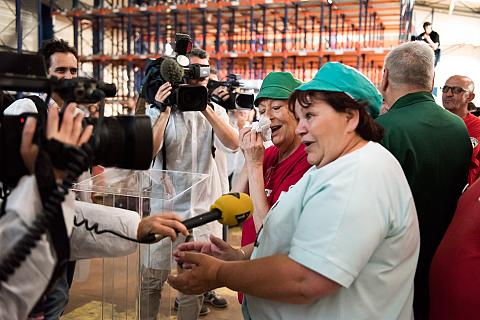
(129, 286)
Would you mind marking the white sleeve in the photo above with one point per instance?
(86, 244)
(153, 113)
(222, 113)
(20, 293)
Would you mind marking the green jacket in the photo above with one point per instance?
(434, 150)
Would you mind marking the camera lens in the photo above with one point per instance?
(191, 98)
(244, 101)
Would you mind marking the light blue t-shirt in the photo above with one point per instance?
(354, 222)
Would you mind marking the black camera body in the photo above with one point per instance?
(123, 141)
(238, 99)
(177, 71)
(83, 90)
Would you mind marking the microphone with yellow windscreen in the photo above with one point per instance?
(229, 209)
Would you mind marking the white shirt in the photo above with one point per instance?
(23, 289)
(188, 142)
(354, 222)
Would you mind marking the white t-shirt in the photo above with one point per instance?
(353, 221)
(188, 142)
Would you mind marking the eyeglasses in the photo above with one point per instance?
(455, 90)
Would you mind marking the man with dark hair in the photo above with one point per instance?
(62, 62)
(432, 38)
(51, 50)
(185, 141)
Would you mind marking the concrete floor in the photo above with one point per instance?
(118, 280)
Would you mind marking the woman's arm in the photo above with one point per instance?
(290, 283)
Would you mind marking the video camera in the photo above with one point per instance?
(239, 98)
(123, 141)
(177, 70)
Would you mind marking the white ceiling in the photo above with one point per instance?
(470, 7)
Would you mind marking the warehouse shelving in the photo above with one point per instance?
(247, 37)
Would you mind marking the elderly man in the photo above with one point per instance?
(457, 94)
(431, 144)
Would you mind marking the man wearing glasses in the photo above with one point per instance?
(457, 94)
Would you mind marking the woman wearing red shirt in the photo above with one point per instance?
(267, 173)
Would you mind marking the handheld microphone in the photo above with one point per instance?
(229, 209)
(171, 71)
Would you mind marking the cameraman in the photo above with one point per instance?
(61, 61)
(19, 293)
(185, 141)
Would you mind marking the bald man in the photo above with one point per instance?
(457, 94)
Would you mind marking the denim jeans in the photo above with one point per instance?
(151, 291)
(57, 297)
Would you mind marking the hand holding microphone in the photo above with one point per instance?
(230, 209)
(165, 225)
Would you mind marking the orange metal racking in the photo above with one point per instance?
(250, 37)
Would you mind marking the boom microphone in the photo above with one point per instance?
(171, 71)
(230, 209)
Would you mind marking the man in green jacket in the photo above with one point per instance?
(431, 144)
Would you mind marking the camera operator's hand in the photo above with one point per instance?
(70, 131)
(222, 93)
(167, 224)
(28, 150)
(163, 92)
(251, 143)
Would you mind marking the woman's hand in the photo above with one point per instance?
(202, 278)
(251, 143)
(216, 248)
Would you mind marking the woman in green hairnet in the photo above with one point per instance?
(343, 242)
(269, 172)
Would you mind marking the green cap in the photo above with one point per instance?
(337, 77)
(278, 86)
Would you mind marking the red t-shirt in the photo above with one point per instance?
(473, 126)
(454, 273)
(278, 177)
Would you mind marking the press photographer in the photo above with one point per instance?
(182, 75)
(186, 141)
(239, 97)
(123, 141)
(22, 216)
